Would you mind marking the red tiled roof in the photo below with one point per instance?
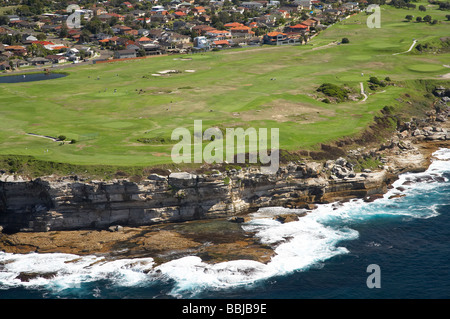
(240, 28)
(221, 42)
(59, 47)
(144, 39)
(233, 25)
(43, 42)
(275, 33)
(298, 26)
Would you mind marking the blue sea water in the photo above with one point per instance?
(323, 255)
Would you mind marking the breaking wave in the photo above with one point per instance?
(298, 245)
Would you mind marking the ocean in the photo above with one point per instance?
(323, 255)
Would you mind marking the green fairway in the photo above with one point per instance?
(108, 107)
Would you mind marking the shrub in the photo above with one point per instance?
(345, 40)
(73, 141)
(374, 80)
(61, 137)
(419, 19)
(326, 101)
(409, 17)
(422, 8)
(333, 90)
(387, 79)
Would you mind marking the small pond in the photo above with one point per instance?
(30, 77)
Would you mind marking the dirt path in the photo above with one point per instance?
(410, 48)
(362, 92)
(54, 139)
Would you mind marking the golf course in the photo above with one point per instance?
(123, 113)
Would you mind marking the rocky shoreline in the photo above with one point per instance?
(166, 217)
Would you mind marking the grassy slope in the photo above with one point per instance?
(236, 85)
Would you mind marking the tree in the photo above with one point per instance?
(409, 17)
(448, 17)
(41, 36)
(434, 21)
(427, 18)
(345, 40)
(61, 137)
(419, 19)
(422, 8)
(64, 32)
(5, 20)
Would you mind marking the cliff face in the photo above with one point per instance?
(67, 203)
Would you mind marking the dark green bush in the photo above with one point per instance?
(332, 90)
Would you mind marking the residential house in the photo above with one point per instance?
(158, 9)
(38, 61)
(198, 11)
(179, 14)
(17, 50)
(99, 11)
(144, 40)
(124, 54)
(220, 43)
(4, 66)
(57, 58)
(201, 43)
(28, 38)
(350, 6)
(303, 4)
(298, 28)
(273, 37)
(243, 31)
(310, 22)
(123, 29)
(202, 29)
(205, 18)
(13, 18)
(152, 49)
(143, 32)
(233, 25)
(133, 46)
(21, 63)
(127, 4)
(6, 55)
(252, 5)
(138, 13)
(218, 34)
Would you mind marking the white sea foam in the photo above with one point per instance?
(62, 271)
(298, 245)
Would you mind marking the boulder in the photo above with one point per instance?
(238, 219)
(156, 177)
(115, 228)
(286, 218)
(182, 179)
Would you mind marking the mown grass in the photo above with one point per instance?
(107, 108)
